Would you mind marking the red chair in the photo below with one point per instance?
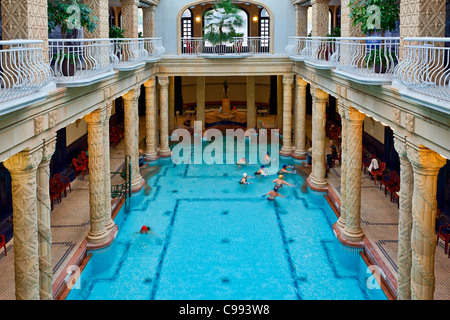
(379, 172)
(3, 243)
(79, 167)
(85, 157)
(83, 161)
(387, 180)
(55, 194)
(444, 235)
(394, 189)
(64, 182)
(366, 164)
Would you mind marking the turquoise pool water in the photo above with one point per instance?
(218, 240)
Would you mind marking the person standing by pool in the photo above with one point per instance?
(272, 194)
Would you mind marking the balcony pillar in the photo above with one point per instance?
(344, 154)
(426, 165)
(150, 121)
(109, 222)
(301, 15)
(422, 18)
(200, 113)
(26, 19)
(43, 220)
(288, 82)
(130, 18)
(320, 18)
(300, 119)
(164, 150)
(131, 110)
(352, 231)
(317, 179)
(251, 103)
(149, 21)
(98, 233)
(347, 28)
(100, 9)
(404, 221)
(23, 167)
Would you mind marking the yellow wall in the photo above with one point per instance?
(75, 131)
(374, 128)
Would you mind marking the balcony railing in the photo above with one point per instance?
(318, 51)
(75, 61)
(238, 47)
(23, 70)
(367, 59)
(154, 48)
(425, 67)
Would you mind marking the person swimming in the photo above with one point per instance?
(242, 161)
(261, 172)
(279, 182)
(145, 230)
(272, 194)
(267, 158)
(284, 170)
(244, 180)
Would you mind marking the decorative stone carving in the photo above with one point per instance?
(426, 165)
(320, 19)
(347, 27)
(149, 21)
(22, 167)
(38, 125)
(301, 13)
(130, 18)
(288, 81)
(164, 149)
(52, 119)
(410, 122)
(344, 154)
(396, 116)
(100, 9)
(300, 119)
(422, 18)
(150, 117)
(109, 222)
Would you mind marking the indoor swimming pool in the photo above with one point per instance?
(215, 239)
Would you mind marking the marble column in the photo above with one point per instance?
(288, 82)
(301, 14)
(426, 165)
(95, 122)
(320, 18)
(344, 154)
(44, 230)
(404, 221)
(317, 178)
(131, 112)
(352, 231)
(130, 18)
(300, 119)
(23, 167)
(150, 120)
(100, 9)
(200, 115)
(251, 103)
(164, 150)
(149, 21)
(109, 222)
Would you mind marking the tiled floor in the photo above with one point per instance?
(379, 222)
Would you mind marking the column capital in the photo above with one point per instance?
(354, 115)
(301, 82)
(342, 109)
(28, 159)
(150, 83)
(319, 95)
(313, 2)
(96, 116)
(288, 79)
(423, 158)
(132, 95)
(49, 148)
(400, 145)
(129, 2)
(163, 81)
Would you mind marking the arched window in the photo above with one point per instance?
(264, 29)
(186, 24)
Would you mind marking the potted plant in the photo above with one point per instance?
(117, 33)
(379, 59)
(67, 63)
(221, 23)
(70, 15)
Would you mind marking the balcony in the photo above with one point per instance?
(369, 61)
(238, 48)
(24, 74)
(364, 60)
(424, 72)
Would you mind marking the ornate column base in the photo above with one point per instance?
(353, 236)
(286, 152)
(316, 185)
(353, 244)
(152, 156)
(165, 153)
(299, 154)
(106, 242)
(97, 237)
(138, 184)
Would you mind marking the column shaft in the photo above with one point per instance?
(288, 82)
(130, 18)
(301, 13)
(109, 222)
(164, 149)
(98, 232)
(100, 9)
(150, 120)
(344, 154)
(320, 18)
(149, 21)
(426, 165)
(317, 178)
(23, 167)
(352, 230)
(300, 119)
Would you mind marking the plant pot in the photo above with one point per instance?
(68, 68)
(220, 49)
(380, 68)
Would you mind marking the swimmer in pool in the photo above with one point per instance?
(272, 194)
(261, 172)
(242, 161)
(145, 230)
(267, 158)
(244, 180)
(279, 182)
(284, 170)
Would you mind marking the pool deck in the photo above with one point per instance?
(379, 222)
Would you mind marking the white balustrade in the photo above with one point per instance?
(236, 47)
(425, 66)
(23, 70)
